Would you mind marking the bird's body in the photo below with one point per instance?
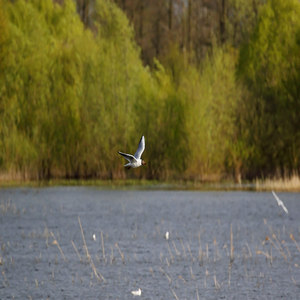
(137, 293)
(135, 160)
(280, 203)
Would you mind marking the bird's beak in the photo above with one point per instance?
(143, 163)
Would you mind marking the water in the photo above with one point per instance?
(39, 260)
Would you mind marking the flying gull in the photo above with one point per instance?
(135, 160)
(280, 203)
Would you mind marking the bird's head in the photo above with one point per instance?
(143, 163)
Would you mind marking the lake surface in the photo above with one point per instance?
(222, 245)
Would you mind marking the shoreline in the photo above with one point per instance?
(282, 184)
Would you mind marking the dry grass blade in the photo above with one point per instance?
(5, 281)
(249, 250)
(55, 242)
(294, 281)
(112, 255)
(264, 253)
(181, 278)
(231, 245)
(207, 253)
(76, 250)
(165, 273)
(83, 239)
(279, 249)
(192, 273)
(176, 250)
(286, 248)
(216, 253)
(294, 240)
(97, 274)
(200, 255)
(197, 293)
(190, 252)
(174, 294)
(183, 249)
(102, 243)
(278, 243)
(229, 274)
(170, 251)
(206, 275)
(217, 285)
(121, 253)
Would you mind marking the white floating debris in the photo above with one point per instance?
(94, 237)
(280, 203)
(137, 293)
(167, 235)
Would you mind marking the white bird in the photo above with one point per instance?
(94, 237)
(137, 293)
(135, 160)
(167, 235)
(280, 203)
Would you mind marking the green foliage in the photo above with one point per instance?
(70, 106)
(269, 65)
(71, 97)
(169, 117)
(241, 18)
(212, 96)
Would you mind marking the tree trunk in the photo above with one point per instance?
(223, 22)
(170, 15)
(189, 37)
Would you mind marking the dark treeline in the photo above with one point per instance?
(192, 25)
(213, 86)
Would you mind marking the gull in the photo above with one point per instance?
(137, 293)
(94, 237)
(135, 160)
(280, 203)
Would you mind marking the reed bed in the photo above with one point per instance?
(288, 183)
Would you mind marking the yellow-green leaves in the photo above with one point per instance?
(71, 96)
(270, 67)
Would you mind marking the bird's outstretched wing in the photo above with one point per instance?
(280, 203)
(129, 157)
(140, 149)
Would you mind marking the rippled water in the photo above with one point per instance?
(42, 252)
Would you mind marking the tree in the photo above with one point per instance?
(269, 64)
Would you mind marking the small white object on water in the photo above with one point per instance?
(137, 293)
(94, 237)
(167, 235)
(280, 203)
